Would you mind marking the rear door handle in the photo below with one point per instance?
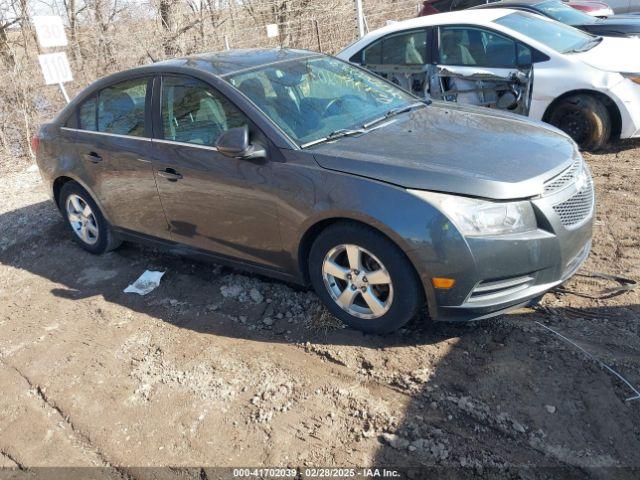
(170, 174)
(93, 157)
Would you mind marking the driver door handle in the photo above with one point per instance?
(170, 174)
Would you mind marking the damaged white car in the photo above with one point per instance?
(586, 85)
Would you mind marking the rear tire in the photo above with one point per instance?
(85, 220)
(382, 296)
(585, 119)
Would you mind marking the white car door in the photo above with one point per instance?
(479, 66)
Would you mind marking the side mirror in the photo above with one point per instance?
(234, 143)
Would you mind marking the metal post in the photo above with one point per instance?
(64, 92)
(318, 35)
(360, 18)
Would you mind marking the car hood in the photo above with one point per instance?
(467, 151)
(588, 4)
(612, 55)
(616, 26)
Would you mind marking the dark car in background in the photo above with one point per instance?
(591, 7)
(309, 169)
(615, 26)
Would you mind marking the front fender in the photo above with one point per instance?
(431, 242)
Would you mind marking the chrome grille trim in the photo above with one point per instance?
(491, 289)
(564, 178)
(577, 208)
(572, 265)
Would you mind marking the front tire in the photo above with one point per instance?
(85, 220)
(364, 279)
(585, 119)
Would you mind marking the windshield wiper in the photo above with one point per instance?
(343, 132)
(587, 46)
(392, 113)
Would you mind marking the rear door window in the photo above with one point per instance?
(406, 48)
(121, 108)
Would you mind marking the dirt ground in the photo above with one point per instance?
(219, 368)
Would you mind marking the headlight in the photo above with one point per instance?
(475, 217)
(634, 77)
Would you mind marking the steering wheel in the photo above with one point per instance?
(330, 108)
(335, 103)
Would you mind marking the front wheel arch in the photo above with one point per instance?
(611, 106)
(398, 271)
(313, 231)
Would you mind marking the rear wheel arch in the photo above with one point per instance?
(57, 186)
(62, 180)
(314, 230)
(611, 106)
(103, 239)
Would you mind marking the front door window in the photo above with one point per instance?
(193, 113)
(479, 66)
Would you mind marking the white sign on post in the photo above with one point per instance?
(55, 68)
(272, 30)
(50, 31)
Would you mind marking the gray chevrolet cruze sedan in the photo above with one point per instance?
(302, 167)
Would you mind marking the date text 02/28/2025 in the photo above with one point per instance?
(316, 472)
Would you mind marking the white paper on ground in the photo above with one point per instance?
(147, 282)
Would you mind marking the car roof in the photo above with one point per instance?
(462, 16)
(510, 4)
(507, 3)
(232, 61)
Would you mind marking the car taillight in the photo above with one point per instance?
(35, 144)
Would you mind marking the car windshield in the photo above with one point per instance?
(558, 36)
(318, 97)
(564, 13)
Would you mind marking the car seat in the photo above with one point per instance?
(452, 51)
(119, 114)
(254, 89)
(411, 54)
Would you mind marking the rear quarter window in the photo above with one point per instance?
(87, 115)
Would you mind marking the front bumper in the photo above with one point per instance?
(505, 301)
(626, 95)
(508, 272)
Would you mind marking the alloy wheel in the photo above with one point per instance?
(82, 219)
(357, 281)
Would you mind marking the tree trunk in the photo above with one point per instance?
(167, 18)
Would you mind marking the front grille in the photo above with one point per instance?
(493, 289)
(564, 178)
(578, 207)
